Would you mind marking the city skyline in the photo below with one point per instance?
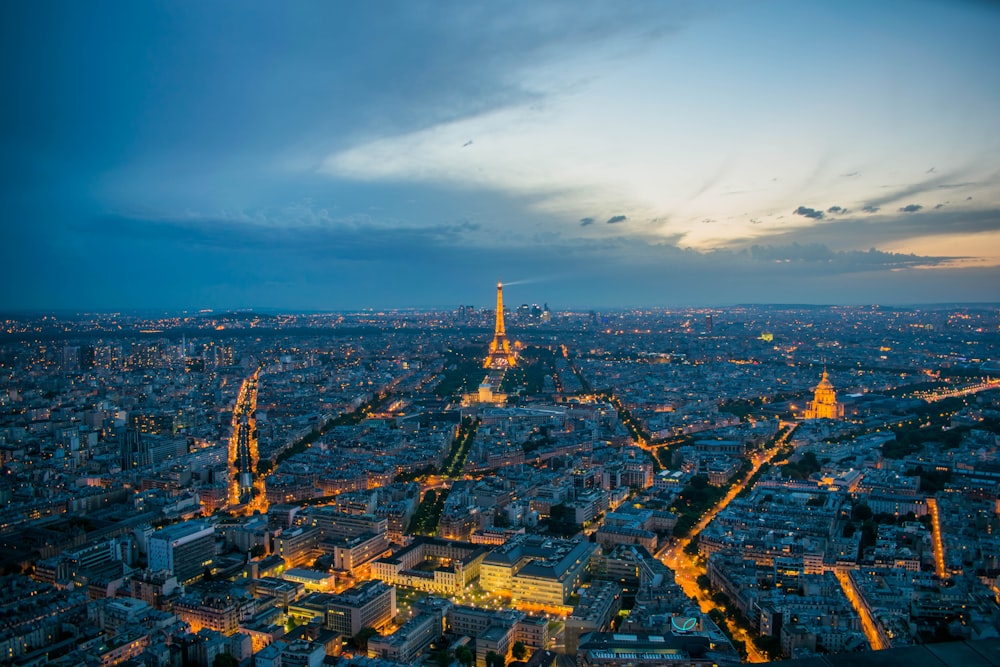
(327, 157)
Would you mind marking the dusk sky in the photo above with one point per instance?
(344, 155)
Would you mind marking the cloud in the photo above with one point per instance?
(836, 209)
(356, 238)
(845, 260)
(908, 191)
(910, 208)
(291, 260)
(794, 252)
(953, 186)
(807, 212)
(616, 219)
(586, 221)
(871, 208)
(894, 229)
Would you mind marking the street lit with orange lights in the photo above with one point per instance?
(243, 454)
(687, 568)
(939, 567)
(867, 622)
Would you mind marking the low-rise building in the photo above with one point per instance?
(598, 605)
(534, 570)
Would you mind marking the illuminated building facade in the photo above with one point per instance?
(221, 613)
(534, 570)
(298, 546)
(432, 564)
(824, 404)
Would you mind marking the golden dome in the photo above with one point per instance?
(824, 382)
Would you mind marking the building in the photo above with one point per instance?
(368, 605)
(534, 570)
(640, 650)
(221, 613)
(184, 550)
(407, 643)
(352, 554)
(298, 546)
(432, 564)
(134, 450)
(824, 404)
(313, 580)
(284, 592)
(609, 536)
(597, 607)
(492, 631)
(335, 522)
(303, 653)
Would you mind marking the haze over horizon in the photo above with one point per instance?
(329, 156)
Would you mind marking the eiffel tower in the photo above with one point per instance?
(500, 355)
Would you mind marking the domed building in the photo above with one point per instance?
(824, 404)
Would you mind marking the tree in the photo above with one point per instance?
(770, 646)
(361, 639)
(465, 655)
(442, 657)
(519, 650)
(494, 659)
(225, 660)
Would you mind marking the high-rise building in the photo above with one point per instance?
(184, 550)
(134, 449)
(500, 355)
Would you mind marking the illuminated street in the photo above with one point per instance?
(243, 454)
(686, 568)
(867, 623)
(936, 532)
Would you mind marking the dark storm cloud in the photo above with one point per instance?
(910, 208)
(615, 219)
(807, 212)
(586, 221)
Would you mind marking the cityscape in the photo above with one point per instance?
(501, 485)
(543, 333)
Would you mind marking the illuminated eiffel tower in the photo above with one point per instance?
(500, 355)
